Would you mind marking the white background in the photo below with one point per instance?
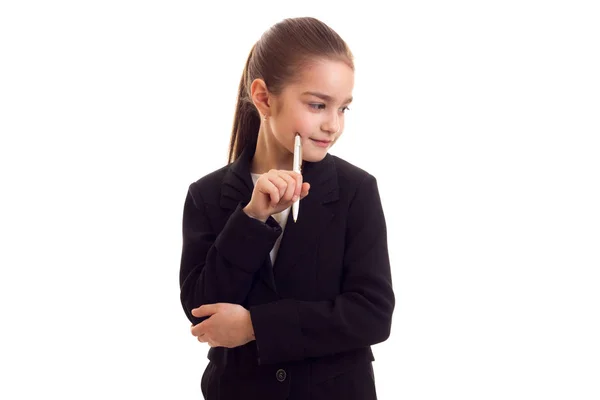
(480, 121)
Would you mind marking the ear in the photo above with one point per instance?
(261, 97)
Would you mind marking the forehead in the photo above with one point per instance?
(332, 78)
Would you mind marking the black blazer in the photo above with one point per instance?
(317, 311)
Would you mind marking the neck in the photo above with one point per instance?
(270, 154)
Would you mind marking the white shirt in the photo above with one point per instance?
(280, 217)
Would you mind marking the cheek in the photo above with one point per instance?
(291, 125)
(308, 121)
(301, 119)
(307, 125)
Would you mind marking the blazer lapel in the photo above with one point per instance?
(313, 217)
(298, 237)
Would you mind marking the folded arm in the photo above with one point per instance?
(361, 315)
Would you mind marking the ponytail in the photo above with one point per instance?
(246, 121)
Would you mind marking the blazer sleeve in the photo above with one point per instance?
(220, 267)
(361, 315)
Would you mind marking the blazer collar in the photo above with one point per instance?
(238, 185)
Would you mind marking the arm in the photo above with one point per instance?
(361, 315)
(220, 268)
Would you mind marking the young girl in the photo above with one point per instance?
(289, 308)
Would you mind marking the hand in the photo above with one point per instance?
(229, 325)
(275, 191)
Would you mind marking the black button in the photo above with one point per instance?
(281, 375)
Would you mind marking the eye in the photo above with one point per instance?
(345, 109)
(317, 105)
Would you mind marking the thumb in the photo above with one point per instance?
(204, 310)
(305, 189)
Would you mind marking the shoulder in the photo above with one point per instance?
(207, 187)
(350, 176)
(360, 191)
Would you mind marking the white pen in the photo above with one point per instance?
(297, 164)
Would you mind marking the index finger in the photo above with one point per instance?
(204, 310)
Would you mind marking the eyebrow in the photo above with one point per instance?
(325, 96)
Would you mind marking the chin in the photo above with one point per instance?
(314, 157)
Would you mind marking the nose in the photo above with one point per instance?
(331, 124)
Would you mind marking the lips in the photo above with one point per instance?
(324, 144)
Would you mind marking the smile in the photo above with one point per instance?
(321, 143)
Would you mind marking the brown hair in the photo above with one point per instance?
(277, 57)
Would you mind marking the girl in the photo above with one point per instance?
(289, 308)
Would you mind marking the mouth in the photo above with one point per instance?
(321, 142)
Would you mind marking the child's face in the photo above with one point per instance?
(300, 109)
